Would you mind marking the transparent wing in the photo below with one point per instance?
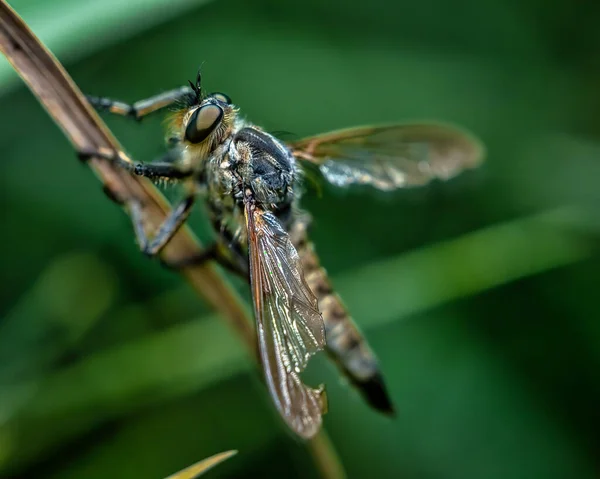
(392, 156)
(290, 327)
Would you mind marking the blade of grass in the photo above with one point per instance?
(201, 467)
(82, 126)
(428, 277)
(66, 299)
(186, 358)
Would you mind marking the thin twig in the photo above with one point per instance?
(63, 100)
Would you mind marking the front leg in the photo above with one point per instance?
(166, 231)
(163, 168)
(144, 107)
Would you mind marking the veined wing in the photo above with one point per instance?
(391, 156)
(290, 327)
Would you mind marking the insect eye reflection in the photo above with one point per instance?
(203, 122)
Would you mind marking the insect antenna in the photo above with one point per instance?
(199, 81)
(197, 97)
(196, 88)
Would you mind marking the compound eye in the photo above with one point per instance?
(203, 122)
(222, 97)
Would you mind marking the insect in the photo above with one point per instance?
(251, 183)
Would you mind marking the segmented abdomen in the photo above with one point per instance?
(345, 343)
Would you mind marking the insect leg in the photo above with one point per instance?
(140, 108)
(167, 230)
(235, 261)
(235, 257)
(227, 250)
(231, 260)
(156, 169)
(209, 253)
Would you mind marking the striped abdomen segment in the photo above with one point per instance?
(345, 343)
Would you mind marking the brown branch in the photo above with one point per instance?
(63, 100)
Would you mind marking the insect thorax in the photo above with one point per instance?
(256, 162)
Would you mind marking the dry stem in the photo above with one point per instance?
(63, 100)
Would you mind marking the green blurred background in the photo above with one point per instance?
(479, 295)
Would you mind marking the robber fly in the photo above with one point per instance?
(250, 181)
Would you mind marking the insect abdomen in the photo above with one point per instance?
(345, 343)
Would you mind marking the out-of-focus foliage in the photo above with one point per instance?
(477, 294)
